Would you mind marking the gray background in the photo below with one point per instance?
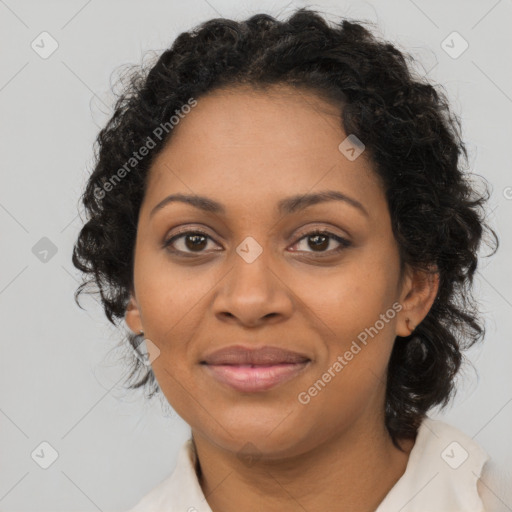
(59, 378)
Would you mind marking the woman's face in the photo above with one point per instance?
(255, 278)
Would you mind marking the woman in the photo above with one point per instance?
(278, 209)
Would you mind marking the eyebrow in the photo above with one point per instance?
(285, 206)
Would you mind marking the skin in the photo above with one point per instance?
(248, 150)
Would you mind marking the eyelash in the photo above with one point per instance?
(342, 241)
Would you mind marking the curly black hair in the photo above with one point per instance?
(409, 130)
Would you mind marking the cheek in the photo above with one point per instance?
(354, 316)
(166, 292)
(352, 298)
(345, 396)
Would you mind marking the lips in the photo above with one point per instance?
(254, 370)
(239, 355)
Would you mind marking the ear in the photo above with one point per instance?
(419, 290)
(132, 315)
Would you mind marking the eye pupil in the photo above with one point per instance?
(197, 243)
(317, 244)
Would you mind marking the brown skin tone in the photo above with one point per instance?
(248, 150)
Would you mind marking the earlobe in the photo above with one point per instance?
(132, 316)
(419, 295)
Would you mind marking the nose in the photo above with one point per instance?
(253, 294)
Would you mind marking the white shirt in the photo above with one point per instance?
(447, 471)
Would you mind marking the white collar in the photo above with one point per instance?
(432, 482)
(441, 474)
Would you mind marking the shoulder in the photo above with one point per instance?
(448, 471)
(495, 487)
(493, 482)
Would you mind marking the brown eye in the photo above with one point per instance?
(319, 241)
(189, 242)
(195, 241)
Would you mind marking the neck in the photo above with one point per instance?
(354, 470)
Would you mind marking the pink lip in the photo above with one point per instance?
(251, 379)
(266, 355)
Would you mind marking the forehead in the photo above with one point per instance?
(281, 118)
(242, 143)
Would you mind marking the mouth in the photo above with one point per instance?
(254, 370)
(254, 378)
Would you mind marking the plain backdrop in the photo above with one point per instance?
(59, 378)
